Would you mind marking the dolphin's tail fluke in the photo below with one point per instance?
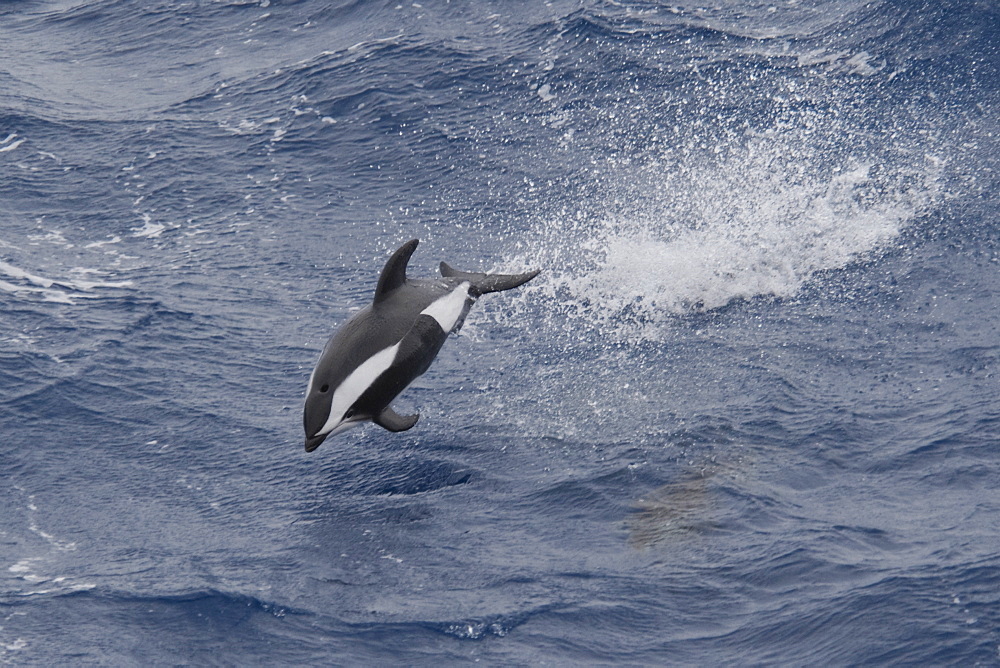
(483, 283)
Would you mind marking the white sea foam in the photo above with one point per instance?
(54, 290)
(16, 645)
(11, 146)
(17, 272)
(57, 296)
(72, 283)
(23, 566)
(13, 645)
(97, 244)
(149, 229)
(8, 143)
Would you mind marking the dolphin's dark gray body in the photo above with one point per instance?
(385, 346)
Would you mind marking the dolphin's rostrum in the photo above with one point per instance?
(385, 346)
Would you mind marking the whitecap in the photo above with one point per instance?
(8, 144)
(60, 291)
(149, 229)
(11, 147)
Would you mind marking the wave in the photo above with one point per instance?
(647, 462)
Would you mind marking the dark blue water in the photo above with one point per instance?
(748, 413)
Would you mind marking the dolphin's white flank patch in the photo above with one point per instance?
(355, 385)
(448, 309)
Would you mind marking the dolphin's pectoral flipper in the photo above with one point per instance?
(414, 354)
(483, 283)
(394, 272)
(393, 421)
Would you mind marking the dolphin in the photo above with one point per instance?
(389, 343)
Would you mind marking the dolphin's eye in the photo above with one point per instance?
(324, 388)
(349, 414)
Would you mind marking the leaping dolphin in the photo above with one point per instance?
(385, 346)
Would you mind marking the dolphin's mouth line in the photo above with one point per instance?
(313, 442)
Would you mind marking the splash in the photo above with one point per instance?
(759, 221)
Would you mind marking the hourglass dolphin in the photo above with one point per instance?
(385, 346)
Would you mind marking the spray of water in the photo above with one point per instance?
(762, 220)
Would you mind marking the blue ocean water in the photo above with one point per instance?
(748, 414)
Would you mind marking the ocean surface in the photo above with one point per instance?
(748, 414)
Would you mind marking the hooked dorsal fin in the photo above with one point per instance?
(394, 272)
